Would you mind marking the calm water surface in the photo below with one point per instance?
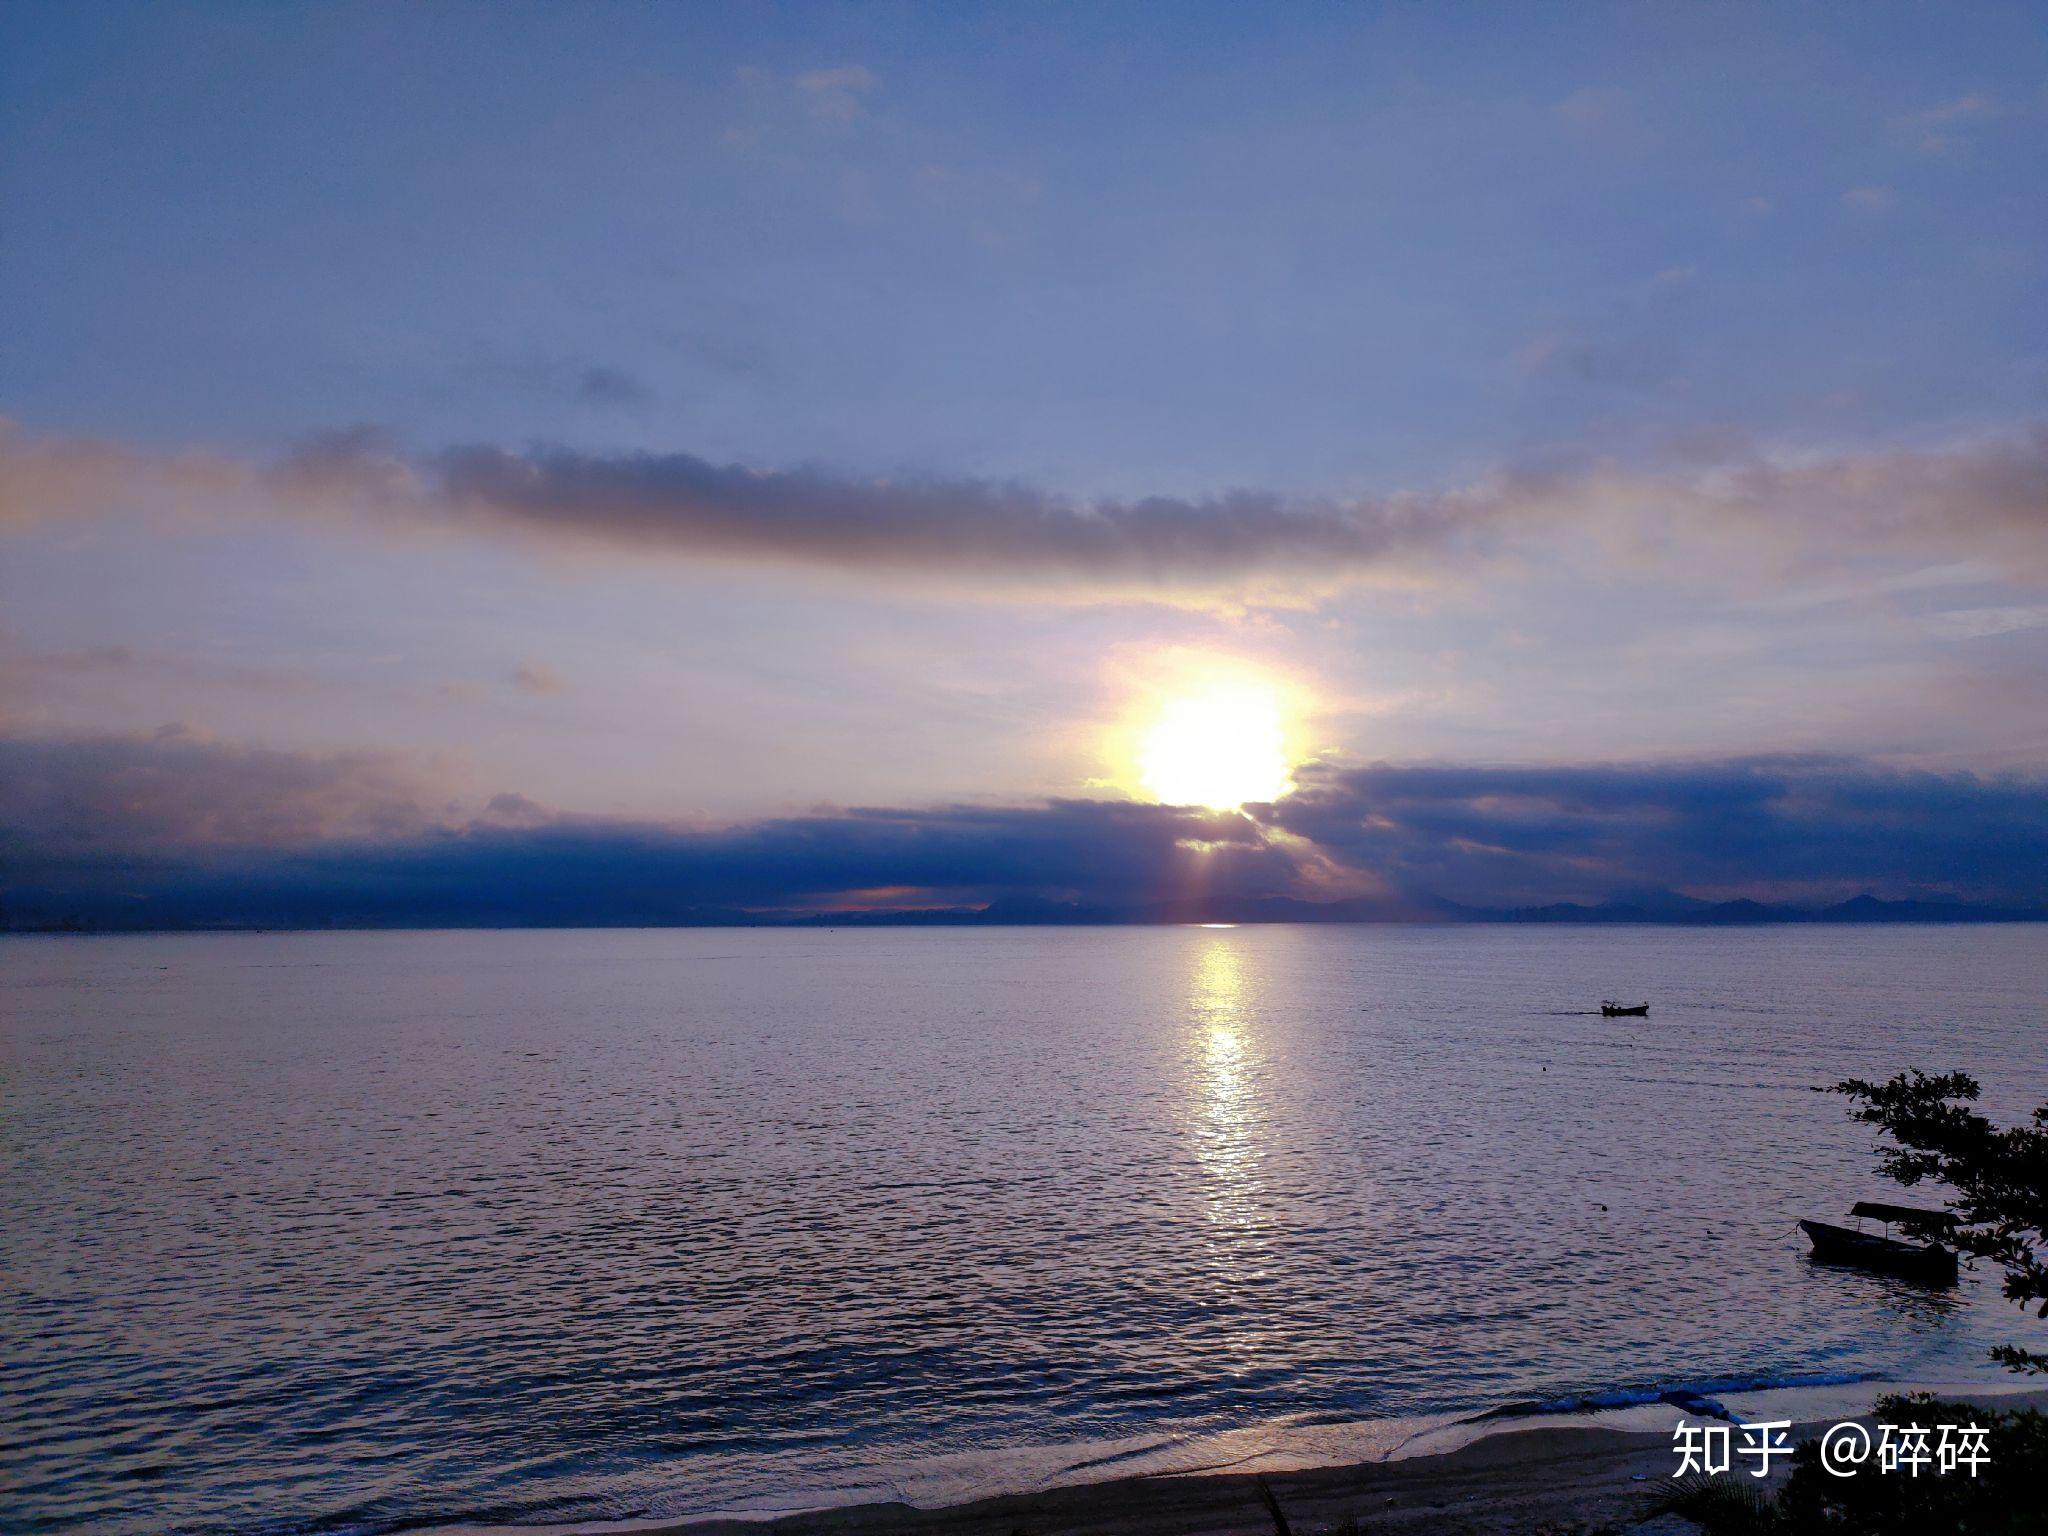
(361, 1231)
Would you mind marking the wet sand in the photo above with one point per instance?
(1571, 1473)
(1519, 1481)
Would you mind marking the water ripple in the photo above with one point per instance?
(354, 1232)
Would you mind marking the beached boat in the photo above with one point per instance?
(1613, 1010)
(1932, 1262)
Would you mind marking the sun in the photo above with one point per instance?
(1219, 747)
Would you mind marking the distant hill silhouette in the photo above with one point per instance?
(1643, 908)
(1648, 908)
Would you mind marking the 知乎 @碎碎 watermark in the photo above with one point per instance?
(1845, 1450)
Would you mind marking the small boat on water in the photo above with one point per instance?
(1933, 1263)
(1609, 1009)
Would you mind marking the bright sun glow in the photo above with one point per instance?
(1220, 748)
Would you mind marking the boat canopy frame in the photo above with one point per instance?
(1905, 1215)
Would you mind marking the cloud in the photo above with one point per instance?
(537, 677)
(1941, 129)
(1634, 358)
(93, 658)
(107, 799)
(177, 828)
(1870, 199)
(47, 476)
(1962, 109)
(1982, 623)
(612, 386)
(599, 385)
(682, 502)
(1988, 497)
(837, 95)
(191, 829)
(1984, 497)
(1590, 106)
(1630, 344)
(1769, 827)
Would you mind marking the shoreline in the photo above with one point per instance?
(1487, 1474)
(974, 921)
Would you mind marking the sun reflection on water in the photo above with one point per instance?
(1226, 1120)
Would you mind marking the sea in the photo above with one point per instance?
(369, 1232)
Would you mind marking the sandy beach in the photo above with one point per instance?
(1520, 1481)
(1563, 1473)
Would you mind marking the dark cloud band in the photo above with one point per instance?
(1985, 498)
(175, 830)
(680, 502)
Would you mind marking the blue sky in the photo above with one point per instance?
(868, 386)
(1117, 250)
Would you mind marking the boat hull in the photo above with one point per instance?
(1928, 1262)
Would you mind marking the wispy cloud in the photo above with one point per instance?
(1871, 200)
(537, 677)
(835, 94)
(1965, 108)
(1944, 127)
(1592, 106)
(48, 476)
(1628, 345)
(1982, 623)
(612, 386)
(838, 94)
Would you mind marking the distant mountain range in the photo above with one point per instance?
(1646, 907)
